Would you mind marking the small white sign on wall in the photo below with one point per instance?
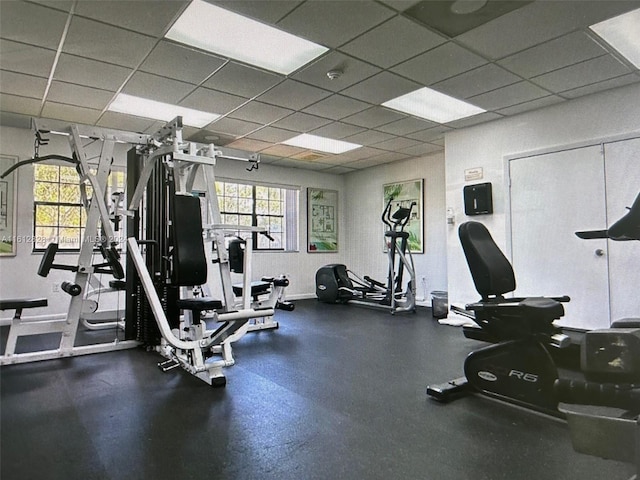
(475, 173)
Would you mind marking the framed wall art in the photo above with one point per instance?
(8, 201)
(322, 220)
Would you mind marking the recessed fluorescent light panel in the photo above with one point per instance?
(432, 105)
(143, 107)
(322, 144)
(216, 30)
(623, 34)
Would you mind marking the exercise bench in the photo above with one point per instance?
(19, 304)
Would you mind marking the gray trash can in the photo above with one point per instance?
(439, 304)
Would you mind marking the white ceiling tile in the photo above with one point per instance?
(358, 153)
(23, 105)
(397, 143)
(339, 170)
(128, 123)
(301, 122)
(70, 113)
(334, 22)
(377, 160)
(272, 134)
(279, 150)
(21, 58)
(32, 24)
(538, 22)
(294, 95)
(337, 130)
(400, 5)
(406, 126)
(531, 105)
(566, 50)
(600, 86)
(157, 88)
(260, 112)
(430, 134)
(181, 63)
(369, 137)
(91, 39)
(22, 85)
(380, 88)
(295, 163)
(479, 80)
(507, 96)
(265, 11)
(475, 119)
(422, 149)
(336, 107)
(242, 80)
(232, 126)
(393, 42)
(353, 71)
(438, 64)
(212, 101)
(373, 117)
(249, 144)
(91, 73)
(143, 16)
(581, 74)
(78, 95)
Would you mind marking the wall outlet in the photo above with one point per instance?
(55, 287)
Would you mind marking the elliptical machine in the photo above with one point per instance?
(335, 283)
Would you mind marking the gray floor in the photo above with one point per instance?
(338, 392)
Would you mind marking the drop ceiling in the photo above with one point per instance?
(67, 60)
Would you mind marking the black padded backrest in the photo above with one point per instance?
(189, 260)
(491, 271)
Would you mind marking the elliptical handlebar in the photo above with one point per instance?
(399, 218)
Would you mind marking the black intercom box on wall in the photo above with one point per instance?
(478, 199)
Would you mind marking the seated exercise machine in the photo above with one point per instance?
(607, 422)
(517, 366)
(168, 264)
(335, 283)
(98, 232)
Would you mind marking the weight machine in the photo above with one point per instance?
(167, 262)
(98, 232)
(335, 283)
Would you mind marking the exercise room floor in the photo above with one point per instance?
(337, 392)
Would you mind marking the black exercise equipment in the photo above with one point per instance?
(518, 366)
(335, 283)
(111, 266)
(610, 361)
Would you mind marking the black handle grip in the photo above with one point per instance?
(579, 392)
(72, 289)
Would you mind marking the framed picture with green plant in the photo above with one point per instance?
(403, 194)
(8, 196)
(322, 220)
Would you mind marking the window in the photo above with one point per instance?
(59, 215)
(273, 207)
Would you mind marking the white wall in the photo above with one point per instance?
(364, 230)
(598, 116)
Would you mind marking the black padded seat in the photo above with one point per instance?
(541, 309)
(626, 323)
(258, 287)
(198, 305)
(118, 284)
(20, 303)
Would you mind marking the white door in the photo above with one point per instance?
(553, 196)
(622, 167)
